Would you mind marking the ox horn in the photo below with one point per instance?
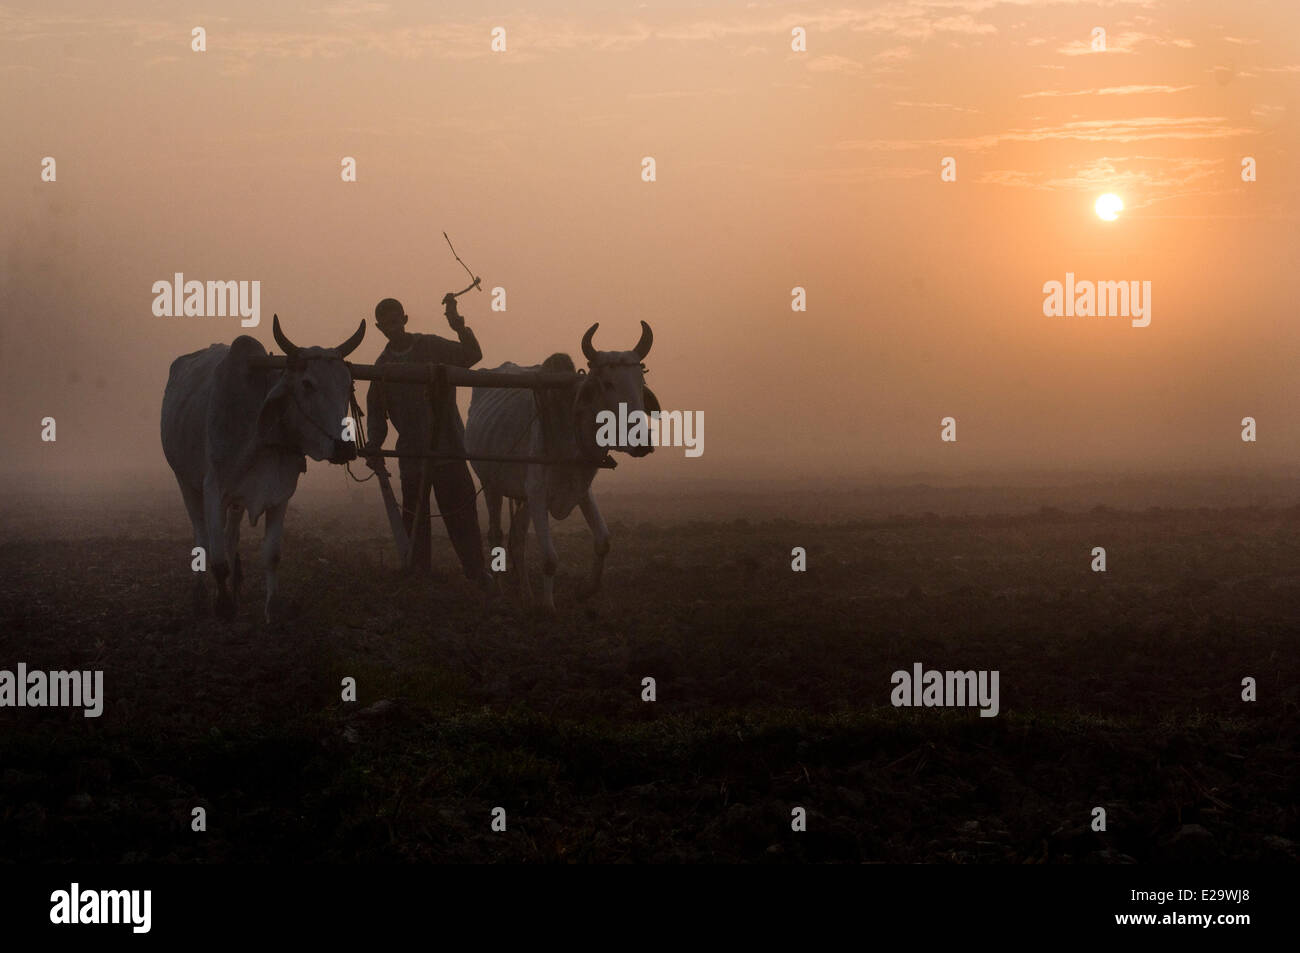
(587, 347)
(647, 338)
(290, 349)
(350, 345)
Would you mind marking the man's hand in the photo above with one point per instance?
(453, 316)
(375, 463)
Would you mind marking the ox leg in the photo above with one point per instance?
(493, 500)
(515, 553)
(550, 560)
(233, 516)
(600, 533)
(271, 561)
(214, 512)
(194, 507)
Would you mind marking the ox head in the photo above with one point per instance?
(614, 378)
(310, 399)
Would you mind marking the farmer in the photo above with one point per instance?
(410, 408)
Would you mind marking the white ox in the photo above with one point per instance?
(236, 435)
(557, 423)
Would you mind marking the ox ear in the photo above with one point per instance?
(588, 392)
(650, 400)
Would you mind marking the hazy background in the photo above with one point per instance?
(775, 169)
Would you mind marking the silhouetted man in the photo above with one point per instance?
(412, 413)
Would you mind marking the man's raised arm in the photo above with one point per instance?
(469, 351)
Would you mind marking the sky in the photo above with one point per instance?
(775, 168)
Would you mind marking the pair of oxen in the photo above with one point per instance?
(237, 434)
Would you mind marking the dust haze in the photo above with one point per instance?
(774, 171)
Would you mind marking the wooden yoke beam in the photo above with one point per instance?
(429, 373)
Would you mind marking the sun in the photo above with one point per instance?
(1109, 206)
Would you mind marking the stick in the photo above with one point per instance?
(419, 515)
(394, 516)
(473, 277)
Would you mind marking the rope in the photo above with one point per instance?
(357, 416)
(348, 468)
(360, 434)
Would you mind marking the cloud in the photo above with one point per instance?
(355, 8)
(963, 24)
(1108, 91)
(960, 109)
(1014, 178)
(1142, 180)
(1124, 42)
(1147, 128)
(1268, 112)
(895, 54)
(341, 27)
(834, 63)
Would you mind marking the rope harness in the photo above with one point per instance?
(297, 403)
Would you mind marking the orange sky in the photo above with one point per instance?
(775, 169)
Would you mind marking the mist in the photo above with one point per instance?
(775, 170)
